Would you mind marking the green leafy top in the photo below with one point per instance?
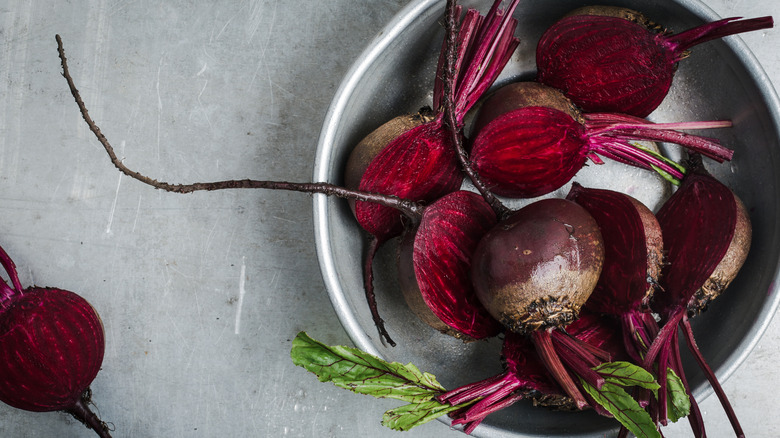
(360, 372)
(364, 373)
(613, 397)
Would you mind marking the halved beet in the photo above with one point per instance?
(633, 250)
(434, 266)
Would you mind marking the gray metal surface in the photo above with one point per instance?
(201, 294)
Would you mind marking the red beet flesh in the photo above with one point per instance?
(610, 64)
(51, 348)
(434, 264)
(633, 250)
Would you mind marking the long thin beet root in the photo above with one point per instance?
(485, 46)
(607, 59)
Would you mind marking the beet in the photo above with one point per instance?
(534, 271)
(412, 157)
(708, 233)
(537, 268)
(529, 140)
(612, 60)
(51, 349)
(434, 262)
(633, 257)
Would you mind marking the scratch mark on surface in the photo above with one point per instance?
(116, 197)
(273, 279)
(203, 69)
(205, 113)
(241, 293)
(137, 214)
(223, 28)
(284, 219)
(159, 104)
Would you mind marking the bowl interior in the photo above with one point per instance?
(720, 80)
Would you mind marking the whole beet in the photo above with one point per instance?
(51, 348)
(536, 268)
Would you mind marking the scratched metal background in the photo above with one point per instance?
(201, 294)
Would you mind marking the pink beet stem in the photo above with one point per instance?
(476, 390)
(474, 421)
(494, 44)
(465, 35)
(694, 418)
(667, 132)
(630, 154)
(6, 292)
(485, 407)
(663, 365)
(664, 335)
(581, 366)
(724, 401)
(551, 360)
(593, 355)
(683, 41)
(479, 409)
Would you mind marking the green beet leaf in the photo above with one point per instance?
(624, 408)
(363, 373)
(627, 374)
(678, 403)
(414, 414)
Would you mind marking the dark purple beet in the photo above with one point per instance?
(708, 233)
(536, 268)
(633, 257)
(51, 348)
(528, 140)
(606, 62)
(434, 262)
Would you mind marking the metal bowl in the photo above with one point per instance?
(720, 80)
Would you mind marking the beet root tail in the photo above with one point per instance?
(81, 411)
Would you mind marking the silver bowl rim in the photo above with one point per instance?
(399, 23)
